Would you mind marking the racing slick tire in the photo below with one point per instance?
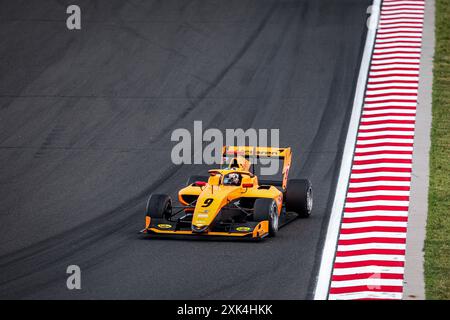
(193, 179)
(266, 209)
(299, 197)
(159, 206)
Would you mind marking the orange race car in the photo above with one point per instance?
(231, 201)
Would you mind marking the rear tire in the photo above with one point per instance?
(266, 209)
(193, 179)
(159, 206)
(299, 197)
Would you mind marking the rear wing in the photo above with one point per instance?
(262, 152)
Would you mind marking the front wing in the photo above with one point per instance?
(248, 230)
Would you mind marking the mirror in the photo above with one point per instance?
(247, 182)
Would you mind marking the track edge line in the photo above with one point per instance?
(329, 248)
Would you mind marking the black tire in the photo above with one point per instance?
(266, 209)
(299, 197)
(159, 206)
(193, 179)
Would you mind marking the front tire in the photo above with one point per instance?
(266, 209)
(299, 197)
(159, 206)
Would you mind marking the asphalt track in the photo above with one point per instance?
(85, 124)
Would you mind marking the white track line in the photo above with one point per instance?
(329, 250)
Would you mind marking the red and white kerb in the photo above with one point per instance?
(370, 256)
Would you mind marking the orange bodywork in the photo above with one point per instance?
(214, 195)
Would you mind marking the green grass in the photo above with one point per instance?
(437, 243)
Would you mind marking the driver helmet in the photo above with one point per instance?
(232, 179)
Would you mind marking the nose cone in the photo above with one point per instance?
(208, 206)
(199, 229)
